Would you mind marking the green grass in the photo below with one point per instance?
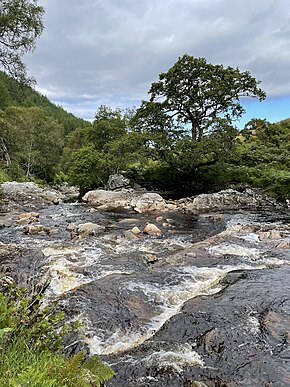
(31, 347)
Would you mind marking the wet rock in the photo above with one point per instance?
(117, 181)
(272, 234)
(88, 229)
(152, 230)
(28, 195)
(68, 193)
(39, 229)
(217, 217)
(213, 341)
(27, 217)
(148, 202)
(276, 324)
(71, 227)
(92, 210)
(23, 265)
(128, 220)
(191, 383)
(283, 245)
(228, 200)
(149, 258)
(136, 230)
(129, 234)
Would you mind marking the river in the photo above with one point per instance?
(206, 303)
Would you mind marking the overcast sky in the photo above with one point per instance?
(95, 52)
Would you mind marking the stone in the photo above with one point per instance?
(148, 202)
(136, 230)
(92, 210)
(28, 195)
(272, 234)
(117, 181)
(283, 245)
(150, 258)
(152, 230)
(27, 217)
(39, 229)
(112, 199)
(216, 217)
(128, 234)
(88, 229)
(229, 200)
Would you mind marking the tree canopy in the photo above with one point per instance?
(20, 26)
(196, 93)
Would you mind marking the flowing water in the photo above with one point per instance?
(196, 304)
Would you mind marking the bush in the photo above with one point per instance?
(31, 343)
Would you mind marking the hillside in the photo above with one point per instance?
(13, 93)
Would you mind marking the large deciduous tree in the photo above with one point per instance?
(196, 93)
(20, 26)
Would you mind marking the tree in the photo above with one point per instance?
(196, 93)
(20, 26)
(31, 140)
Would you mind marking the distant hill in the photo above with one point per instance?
(13, 93)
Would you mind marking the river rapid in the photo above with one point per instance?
(206, 303)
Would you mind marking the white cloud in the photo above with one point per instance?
(111, 51)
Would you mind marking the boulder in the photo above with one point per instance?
(151, 229)
(87, 229)
(229, 200)
(28, 196)
(39, 229)
(136, 230)
(148, 202)
(112, 199)
(117, 181)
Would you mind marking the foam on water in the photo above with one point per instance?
(180, 356)
(235, 249)
(168, 300)
(63, 260)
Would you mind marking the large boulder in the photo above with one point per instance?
(111, 199)
(148, 202)
(229, 200)
(117, 181)
(28, 195)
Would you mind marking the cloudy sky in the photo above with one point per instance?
(95, 52)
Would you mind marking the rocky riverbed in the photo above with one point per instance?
(187, 293)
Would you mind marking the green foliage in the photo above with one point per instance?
(20, 26)
(108, 146)
(195, 92)
(31, 140)
(15, 93)
(88, 168)
(31, 337)
(263, 157)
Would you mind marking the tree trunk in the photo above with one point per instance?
(5, 152)
(193, 132)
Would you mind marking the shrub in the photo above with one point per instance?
(31, 343)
